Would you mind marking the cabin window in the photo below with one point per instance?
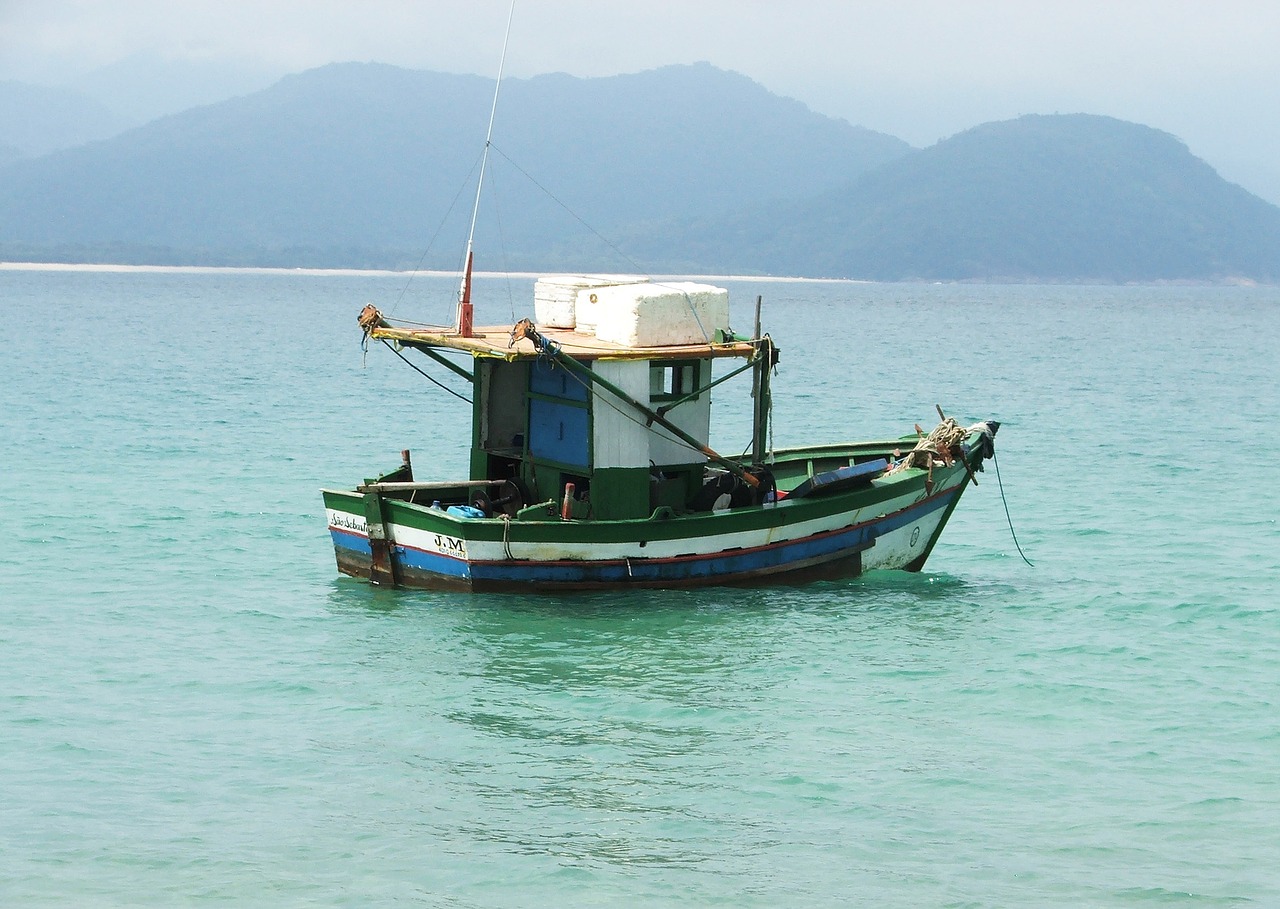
(669, 381)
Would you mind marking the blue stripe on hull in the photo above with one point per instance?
(415, 560)
(719, 566)
(419, 568)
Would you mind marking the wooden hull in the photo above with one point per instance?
(891, 522)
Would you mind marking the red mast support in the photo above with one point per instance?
(466, 318)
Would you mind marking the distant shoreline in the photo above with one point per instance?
(103, 268)
(357, 272)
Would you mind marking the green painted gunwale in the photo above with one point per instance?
(688, 526)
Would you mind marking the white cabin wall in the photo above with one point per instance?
(619, 441)
(624, 441)
(694, 417)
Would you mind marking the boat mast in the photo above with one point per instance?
(465, 318)
(765, 358)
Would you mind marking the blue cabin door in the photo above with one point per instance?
(559, 416)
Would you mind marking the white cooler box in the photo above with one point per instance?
(654, 314)
(555, 297)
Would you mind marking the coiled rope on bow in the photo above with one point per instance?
(944, 444)
(940, 443)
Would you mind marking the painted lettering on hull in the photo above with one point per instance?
(344, 521)
(447, 545)
(439, 543)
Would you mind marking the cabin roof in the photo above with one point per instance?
(494, 342)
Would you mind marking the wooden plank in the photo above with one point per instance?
(413, 487)
(382, 558)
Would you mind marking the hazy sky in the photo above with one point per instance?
(1208, 72)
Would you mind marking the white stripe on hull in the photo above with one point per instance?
(894, 549)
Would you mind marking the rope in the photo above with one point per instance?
(547, 355)
(688, 300)
(423, 374)
(506, 537)
(769, 458)
(939, 443)
(635, 266)
(996, 461)
(430, 243)
(573, 214)
(606, 396)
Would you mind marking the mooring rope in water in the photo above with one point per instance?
(1008, 517)
(940, 443)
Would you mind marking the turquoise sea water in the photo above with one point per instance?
(196, 709)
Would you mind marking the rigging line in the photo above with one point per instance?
(488, 138)
(996, 461)
(573, 214)
(688, 300)
(606, 396)
(769, 411)
(502, 245)
(607, 242)
(432, 242)
(415, 368)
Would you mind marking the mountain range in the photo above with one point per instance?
(684, 168)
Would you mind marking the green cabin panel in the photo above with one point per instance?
(620, 493)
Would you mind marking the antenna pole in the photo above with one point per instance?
(465, 317)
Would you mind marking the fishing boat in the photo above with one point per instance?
(590, 464)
